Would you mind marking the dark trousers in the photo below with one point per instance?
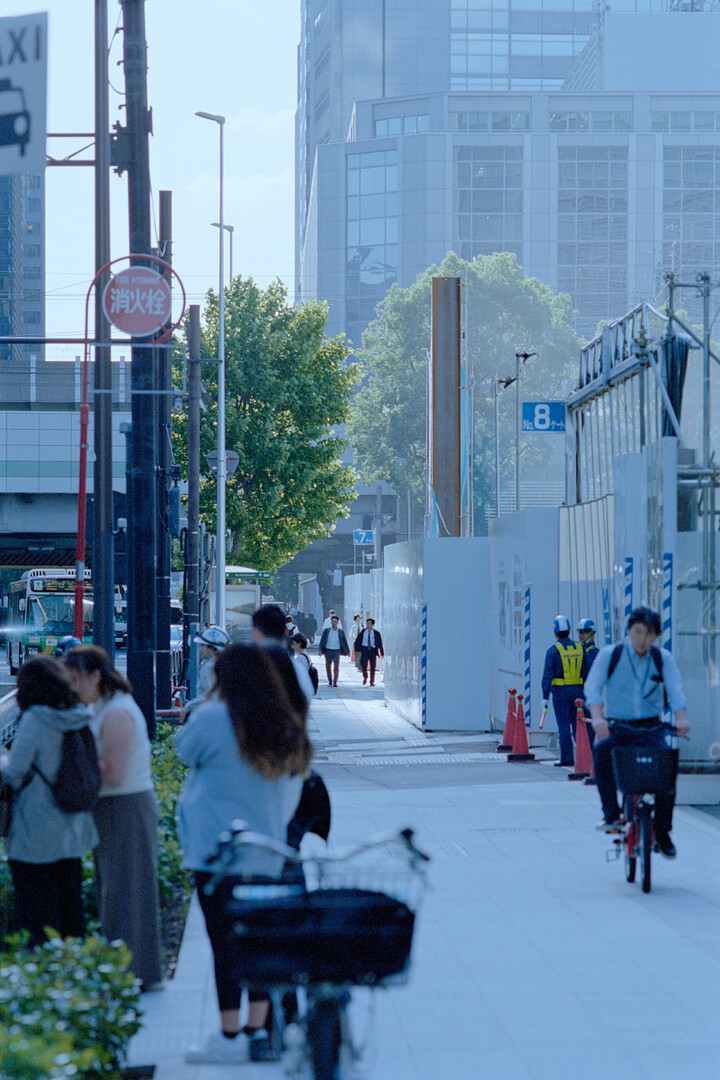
(227, 984)
(48, 894)
(602, 754)
(565, 713)
(332, 659)
(368, 658)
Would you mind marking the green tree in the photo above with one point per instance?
(287, 387)
(504, 311)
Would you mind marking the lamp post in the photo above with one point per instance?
(228, 229)
(222, 465)
(524, 356)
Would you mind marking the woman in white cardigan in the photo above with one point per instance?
(126, 815)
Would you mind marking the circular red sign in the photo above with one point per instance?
(138, 301)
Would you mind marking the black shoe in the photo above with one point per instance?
(334, 684)
(665, 846)
(563, 764)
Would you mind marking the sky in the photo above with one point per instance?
(236, 58)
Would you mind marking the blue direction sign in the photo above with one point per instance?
(543, 416)
(363, 537)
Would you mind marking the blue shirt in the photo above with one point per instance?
(633, 692)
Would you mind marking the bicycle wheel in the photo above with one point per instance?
(645, 824)
(630, 838)
(324, 1032)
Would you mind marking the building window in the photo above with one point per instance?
(691, 209)
(488, 200)
(372, 234)
(592, 230)
(402, 125)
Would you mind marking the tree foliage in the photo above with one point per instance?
(287, 387)
(504, 311)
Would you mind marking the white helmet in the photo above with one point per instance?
(561, 624)
(214, 636)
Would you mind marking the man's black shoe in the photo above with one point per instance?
(563, 764)
(665, 846)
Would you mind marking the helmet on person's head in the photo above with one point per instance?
(561, 624)
(586, 624)
(67, 643)
(214, 636)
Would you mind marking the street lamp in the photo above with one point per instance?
(222, 463)
(228, 229)
(524, 356)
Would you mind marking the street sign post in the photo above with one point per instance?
(23, 93)
(546, 416)
(138, 300)
(363, 537)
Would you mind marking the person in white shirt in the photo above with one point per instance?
(331, 615)
(369, 642)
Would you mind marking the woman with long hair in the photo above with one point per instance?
(126, 859)
(248, 753)
(45, 844)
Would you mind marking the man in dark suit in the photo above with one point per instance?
(333, 644)
(369, 641)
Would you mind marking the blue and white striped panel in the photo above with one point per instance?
(423, 666)
(526, 656)
(606, 616)
(667, 591)
(629, 564)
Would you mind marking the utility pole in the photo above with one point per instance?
(192, 600)
(163, 661)
(444, 398)
(141, 467)
(378, 526)
(103, 554)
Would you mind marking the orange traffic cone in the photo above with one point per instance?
(506, 745)
(520, 748)
(583, 754)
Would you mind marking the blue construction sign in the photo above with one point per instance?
(363, 537)
(543, 416)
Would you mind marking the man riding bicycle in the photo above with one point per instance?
(635, 682)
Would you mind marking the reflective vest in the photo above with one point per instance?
(572, 658)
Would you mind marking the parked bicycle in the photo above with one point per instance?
(334, 921)
(641, 773)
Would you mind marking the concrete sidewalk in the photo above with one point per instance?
(533, 959)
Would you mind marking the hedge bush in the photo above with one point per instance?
(68, 1008)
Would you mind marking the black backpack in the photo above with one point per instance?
(78, 779)
(314, 677)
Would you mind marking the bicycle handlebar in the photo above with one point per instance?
(240, 836)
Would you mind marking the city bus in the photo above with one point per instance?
(41, 608)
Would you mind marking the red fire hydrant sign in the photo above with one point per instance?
(138, 301)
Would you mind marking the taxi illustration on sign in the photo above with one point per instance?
(14, 117)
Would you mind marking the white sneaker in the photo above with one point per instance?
(217, 1050)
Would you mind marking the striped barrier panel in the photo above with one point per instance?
(629, 564)
(667, 589)
(526, 656)
(423, 666)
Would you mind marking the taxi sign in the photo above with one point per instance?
(138, 301)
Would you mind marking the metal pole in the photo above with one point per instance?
(192, 601)
(517, 431)
(409, 521)
(378, 526)
(103, 554)
(497, 449)
(141, 466)
(445, 403)
(163, 659)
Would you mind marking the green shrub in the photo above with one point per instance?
(67, 1008)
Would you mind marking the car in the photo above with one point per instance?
(14, 117)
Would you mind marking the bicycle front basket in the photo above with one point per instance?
(340, 935)
(644, 770)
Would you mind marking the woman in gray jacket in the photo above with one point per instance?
(248, 753)
(45, 844)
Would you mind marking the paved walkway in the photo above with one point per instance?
(534, 959)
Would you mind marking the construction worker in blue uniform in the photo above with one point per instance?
(586, 635)
(563, 677)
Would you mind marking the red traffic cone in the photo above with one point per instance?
(520, 748)
(583, 754)
(506, 745)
